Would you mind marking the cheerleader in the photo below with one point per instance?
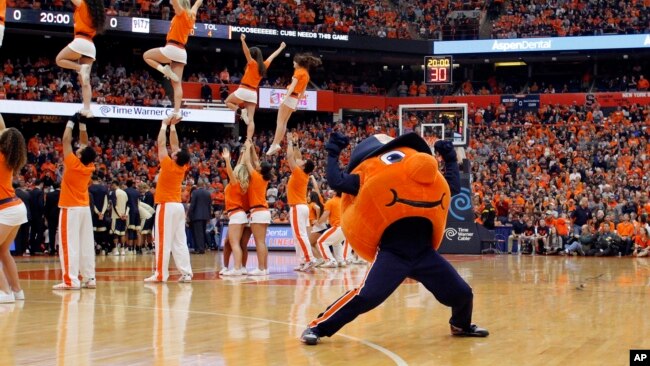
(79, 55)
(13, 212)
(236, 207)
(302, 63)
(3, 12)
(174, 53)
(246, 94)
(260, 175)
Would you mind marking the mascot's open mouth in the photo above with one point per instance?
(421, 204)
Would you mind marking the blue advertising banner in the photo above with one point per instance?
(278, 237)
(552, 44)
(521, 102)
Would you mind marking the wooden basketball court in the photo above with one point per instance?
(535, 308)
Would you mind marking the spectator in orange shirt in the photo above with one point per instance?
(643, 84)
(625, 230)
(642, 243)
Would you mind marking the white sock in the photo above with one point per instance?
(160, 68)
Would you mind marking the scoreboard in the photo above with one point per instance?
(438, 70)
(114, 23)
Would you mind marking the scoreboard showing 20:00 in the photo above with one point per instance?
(438, 70)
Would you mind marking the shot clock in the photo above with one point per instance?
(438, 70)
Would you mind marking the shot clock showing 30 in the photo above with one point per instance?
(438, 70)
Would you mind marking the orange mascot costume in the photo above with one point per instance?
(394, 212)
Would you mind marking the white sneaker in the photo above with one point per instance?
(90, 283)
(176, 117)
(234, 272)
(308, 266)
(20, 295)
(6, 298)
(273, 149)
(185, 278)
(319, 262)
(330, 264)
(244, 116)
(299, 267)
(86, 113)
(259, 272)
(342, 264)
(26, 254)
(169, 74)
(244, 271)
(84, 72)
(223, 270)
(152, 278)
(123, 251)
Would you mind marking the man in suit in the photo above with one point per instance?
(36, 207)
(133, 225)
(22, 238)
(98, 209)
(52, 215)
(199, 215)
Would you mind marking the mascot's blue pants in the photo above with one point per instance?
(385, 275)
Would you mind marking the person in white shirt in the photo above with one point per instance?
(119, 216)
(272, 195)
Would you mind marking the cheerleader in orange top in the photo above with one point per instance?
(170, 238)
(79, 55)
(236, 207)
(302, 63)
(13, 212)
(316, 209)
(246, 94)
(260, 175)
(642, 243)
(174, 53)
(297, 200)
(75, 231)
(394, 212)
(3, 12)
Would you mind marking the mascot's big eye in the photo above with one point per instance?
(392, 157)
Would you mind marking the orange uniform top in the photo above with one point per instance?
(252, 77)
(181, 27)
(303, 79)
(83, 22)
(170, 179)
(74, 185)
(297, 187)
(625, 229)
(312, 211)
(235, 198)
(333, 205)
(3, 11)
(6, 189)
(257, 191)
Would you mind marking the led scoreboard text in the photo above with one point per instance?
(438, 70)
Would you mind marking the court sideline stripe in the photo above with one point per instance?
(393, 356)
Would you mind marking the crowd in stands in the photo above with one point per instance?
(39, 79)
(449, 20)
(527, 18)
(540, 166)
